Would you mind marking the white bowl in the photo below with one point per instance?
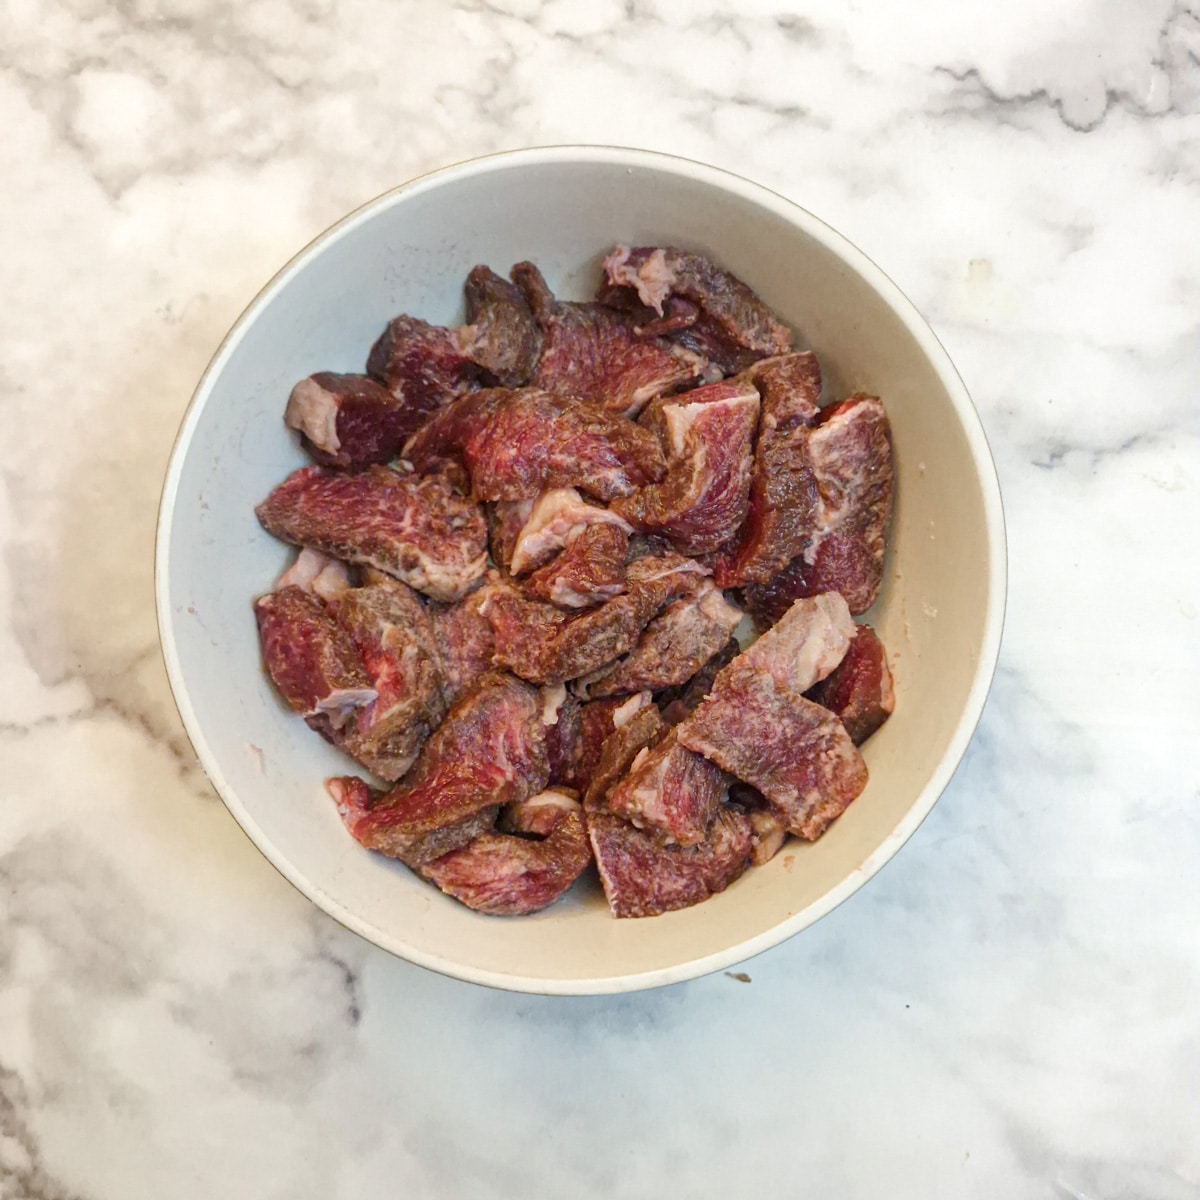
(939, 613)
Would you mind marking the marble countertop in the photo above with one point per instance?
(1011, 1009)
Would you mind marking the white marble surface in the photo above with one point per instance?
(1012, 1009)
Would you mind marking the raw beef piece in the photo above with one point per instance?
(706, 494)
(795, 752)
(554, 522)
(546, 644)
(350, 420)
(424, 365)
(564, 743)
(701, 305)
(598, 720)
(463, 643)
(807, 643)
(393, 633)
(489, 751)
(539, 814)
(501, 334)
(672, 648)
(506, 519)
(518, 444)
(783, 488)
(356, 802)
(768, 832)
(642, 877)
(669, 791)
(312, 661)
(767, 602)
(317, 573)
(859, 690)
(592, 352)
(588, 572)
(677, 702)
(642, 730)
(510, 876)
(419, 530)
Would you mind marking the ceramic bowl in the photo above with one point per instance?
(939, 612)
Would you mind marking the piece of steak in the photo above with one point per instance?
(795, 752)
(783, 487)
(501, 335)
(642, 729)
(700, 305)
(519, 444)
(705, 496)
(677, 702)
(592, 352)
(312, 662)
(546, 644)
(394, 636)
(642, 877)
(510, 876)
(672, 648)
(539, 814)
(505, 520)
(489, 751)
(564, 743)
(598, 719)
(859, 690)
(463, 643)
(350, 420)
(555, 520)
(425, 366)
(588, 572)
(671, 791)
(418, 529)
(805, 645)
(317, 573)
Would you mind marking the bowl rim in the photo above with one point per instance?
(989, 647)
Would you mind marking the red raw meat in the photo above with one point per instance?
(564, 743)
(592, 352)
(510, 876)
(554, 521)
(501, 334)
(640, 730)
(677, 702)
(419, 530)
(810, 640)
(506, 519)
(642, 877)
(424, 365)
(317, 573)
(489, 751)
(518, 444)
(706, 494)
(783, 488)
(547, 644)
(768, 832)
(670, 791)
(539, 814)
(463, 643)
(588, 572)
(699, 305)
(672, 648)
(313, 663)
(597, 720)
(859, 690)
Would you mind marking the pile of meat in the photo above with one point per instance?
(526, 544)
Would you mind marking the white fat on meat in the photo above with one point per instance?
(316, 573)
(342, 703)
(312, 411)
(556, 520)
(553, 698)
(654, 279)
(806, 644)
(625, 713)
(768, 832)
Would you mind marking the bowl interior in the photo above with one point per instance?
(938, 612)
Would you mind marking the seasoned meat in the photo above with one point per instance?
(588, 572)
(783, 487)
(518, 444)
(501, 335)
(597, 720)
(768, 832)
(643, 877)
(670, 791)
(420, 530)
(312, 662)
(539, 814)
(555, 520)
(705, 497)
(509, 876)
(350, 420)
(677, 702)
(424, 365)
(489, 751)
(642, 729)
(592, 352)
(859, 691)
(506, 519)
(806, 644)
(462, 643)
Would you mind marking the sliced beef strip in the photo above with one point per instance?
(462, 643)
(643, 877)
(518, 444)
(313, 662)
(642, 730)
(859, 691)
(350, 421)
(489, 751)
(555, 520)
(501, 334)
(672, 648)
(670, 791)
(783, 487)
(588, 572)
(509, 876)
(706, 494)
(592, 352)
(420, 530)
